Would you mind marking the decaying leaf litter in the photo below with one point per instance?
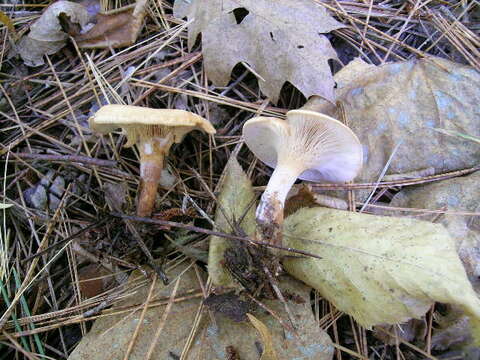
(46, 111)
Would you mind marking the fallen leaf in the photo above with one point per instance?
(117, 28)
(268, 349)
(460, 194)
(5, 206)
(454, 195)
(380, 270)
(403, 103)
(114, 29)
(234, 209)
(281, 41)
(46, 35)
(111, 335)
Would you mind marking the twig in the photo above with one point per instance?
(405, 182)
(67, 158)
(211, 232)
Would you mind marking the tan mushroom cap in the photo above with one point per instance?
(153, 131)
(139, 121)
(324, 148)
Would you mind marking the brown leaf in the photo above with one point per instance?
(94, 280)
(281, 41)
(116, 29)
(50, 32)
(46, 35)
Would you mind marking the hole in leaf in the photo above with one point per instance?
(240, 14)
(271, 35)
(300, 47)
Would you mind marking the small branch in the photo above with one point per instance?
(383, 184)
(67, 158)
(211, 232)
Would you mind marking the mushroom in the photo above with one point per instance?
(153, 131)
(307, 145)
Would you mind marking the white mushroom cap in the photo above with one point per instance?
(317, 146)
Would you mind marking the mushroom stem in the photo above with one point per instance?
(152, 154)
(318, 104)
(269, 214)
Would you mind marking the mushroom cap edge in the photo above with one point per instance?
(111, 117)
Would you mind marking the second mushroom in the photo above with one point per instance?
(153, 131)
(307, 145)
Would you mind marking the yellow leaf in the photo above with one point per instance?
(378, 269)
(234, 205)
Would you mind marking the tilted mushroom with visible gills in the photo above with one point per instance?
(153, 131)
(307, 145)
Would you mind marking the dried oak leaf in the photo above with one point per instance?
(50, 32)
(46, 35)
(114, 29)
(281, 40)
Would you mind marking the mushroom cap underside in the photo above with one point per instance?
(111, 117)
(325, 148)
